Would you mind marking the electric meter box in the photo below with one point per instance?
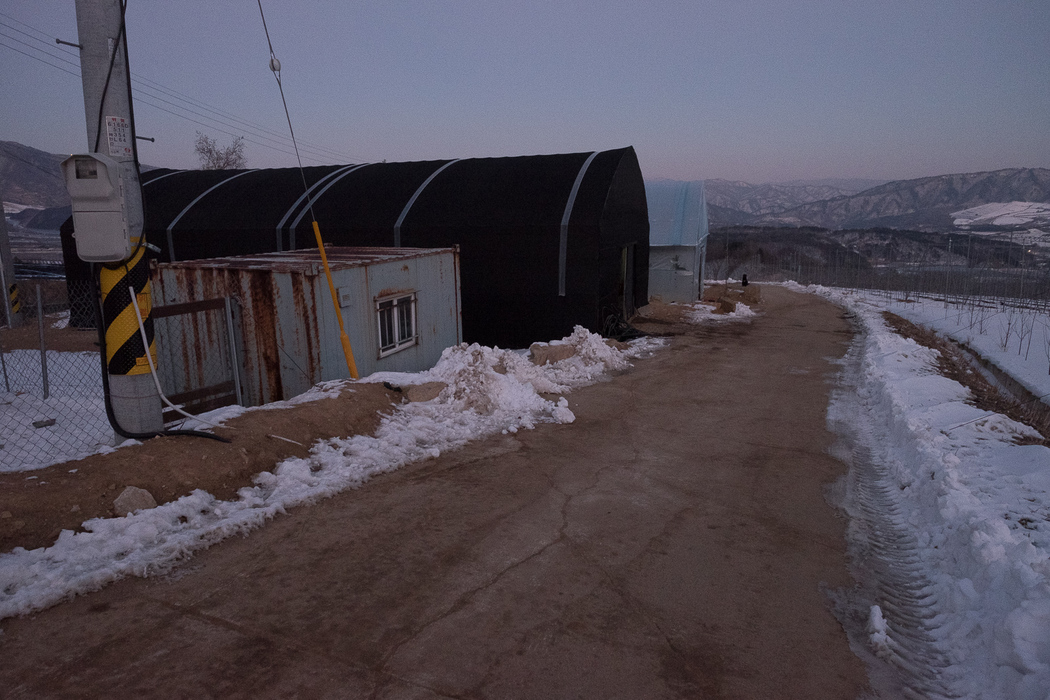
(100, 217)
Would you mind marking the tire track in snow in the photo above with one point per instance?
(887, 550)
(886, 556)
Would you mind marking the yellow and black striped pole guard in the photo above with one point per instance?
(124, 351)
(16, 301)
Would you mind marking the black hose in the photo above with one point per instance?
(105, 378)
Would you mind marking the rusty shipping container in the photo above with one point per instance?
(400, 308)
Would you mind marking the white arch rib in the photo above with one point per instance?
(157, 179)
(305, 196)
(295, 224)
(563, 241)
(404, 212)
(202, 195)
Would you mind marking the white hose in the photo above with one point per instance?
(153, 370)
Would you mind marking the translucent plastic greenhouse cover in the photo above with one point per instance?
(677, 212)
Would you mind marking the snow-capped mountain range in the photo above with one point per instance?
(940, 203)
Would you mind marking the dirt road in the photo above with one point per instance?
(670, 543)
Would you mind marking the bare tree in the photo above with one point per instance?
(214, 157)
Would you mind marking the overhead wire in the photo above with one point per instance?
(275, 68)
(151, 92)
(151, 84)
(148, 100)
(145, 83)
(37, 58)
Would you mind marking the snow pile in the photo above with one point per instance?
(59, 320)
(950, 522)
(488, 391)
(877, 632)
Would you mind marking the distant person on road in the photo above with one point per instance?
(743, 281)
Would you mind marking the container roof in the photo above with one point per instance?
(309, 260)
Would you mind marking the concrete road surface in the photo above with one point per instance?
(671, 543)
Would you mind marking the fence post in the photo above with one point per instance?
(43, 347)
(234, 363)
(3, 365)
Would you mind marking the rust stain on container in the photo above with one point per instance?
(282, 297)
(262, 327)
(393, 292)
(307, 313)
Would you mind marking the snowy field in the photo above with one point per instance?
(70, 424)
(949, 518)
(1004, 214)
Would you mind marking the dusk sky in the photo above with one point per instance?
(762, 91)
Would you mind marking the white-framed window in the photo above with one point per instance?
(396, 316)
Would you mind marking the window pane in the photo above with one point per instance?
(386, 327)
(404, 318)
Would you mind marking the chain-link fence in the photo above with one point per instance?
(52, 407)
(50, 380)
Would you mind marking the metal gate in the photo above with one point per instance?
(197, 360)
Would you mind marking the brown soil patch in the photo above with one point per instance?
(659, 311)
(53, 298)
(36, 506)
(660, 319)
(953, 364)
(721, 293)
(61, 339)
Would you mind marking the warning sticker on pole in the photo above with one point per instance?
(119, 131)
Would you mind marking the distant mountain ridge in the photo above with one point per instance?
(31, 177)
(770, 198)
(923, 203)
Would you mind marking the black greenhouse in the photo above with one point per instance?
(546, 242)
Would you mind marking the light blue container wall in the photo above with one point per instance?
(435, 281)
(192, 350)
(288, 333)
(678, 233)
(674, 273)
(298, 330)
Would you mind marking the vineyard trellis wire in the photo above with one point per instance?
(1010, 303)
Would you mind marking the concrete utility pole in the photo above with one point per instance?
(107, 106)
(12, 300)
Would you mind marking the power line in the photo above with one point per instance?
(215, 110)
(27, 34)
(222, 131)
(37, 58)
(320, 154)
(144, 100)
(50, 173)
(147, 102)
(35, 48)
